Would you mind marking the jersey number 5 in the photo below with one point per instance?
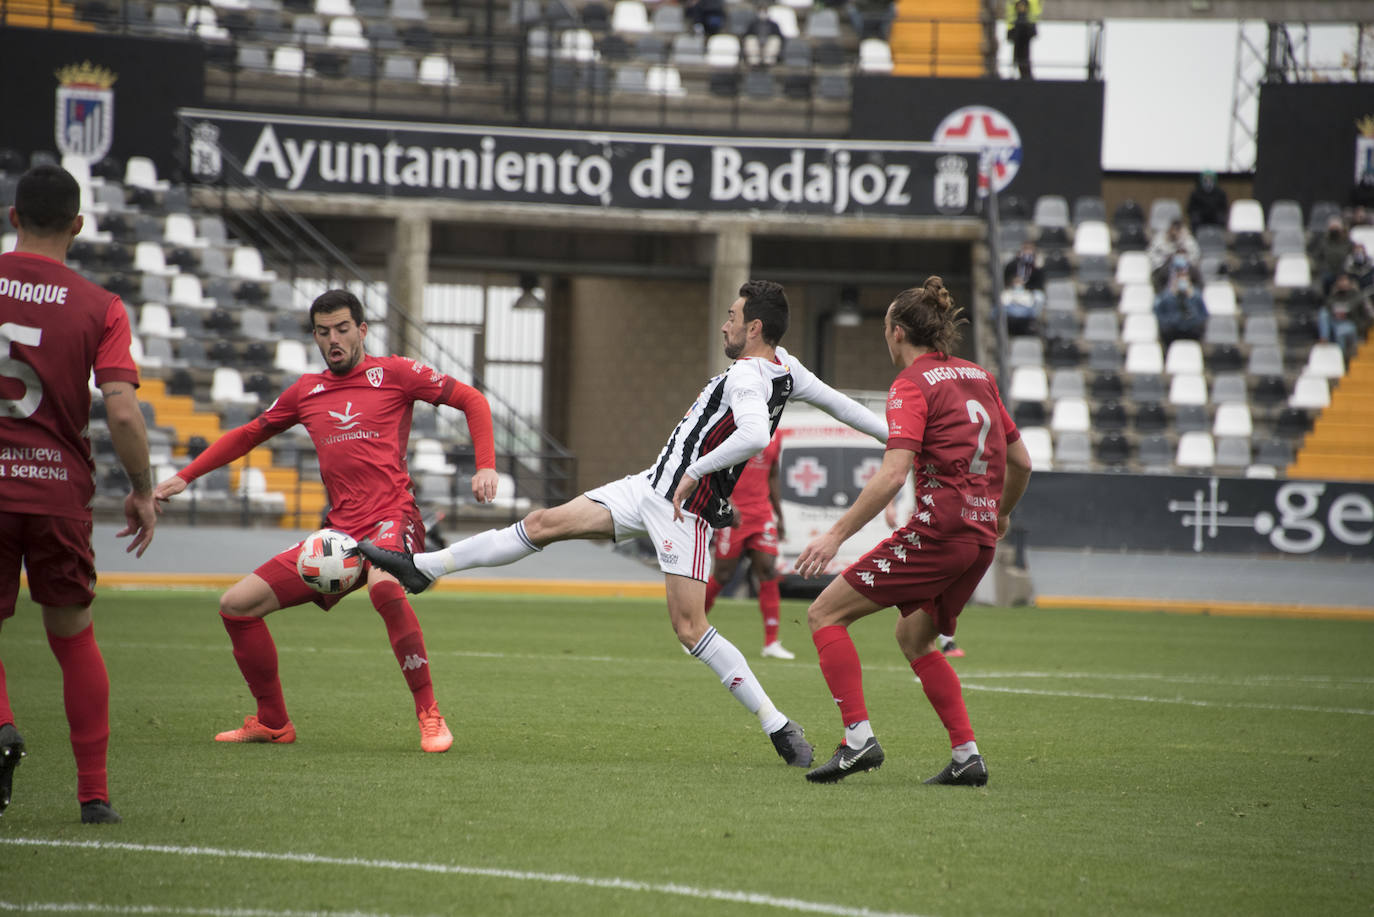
(979, 414)
(13, 368)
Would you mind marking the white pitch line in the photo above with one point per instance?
(1182, 701)
(91, 907)
(616, 884)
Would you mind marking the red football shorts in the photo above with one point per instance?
(938, 578)
(57, 554)
(760, 534)
(405, 533)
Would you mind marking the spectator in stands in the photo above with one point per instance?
(1023, 291)
(1329, 251)
(763, 42)
(1020, 30)
(1362, 193)
(1167, 244)
(872, 18)
(707, 15)
(1345, 317)
(1207, 204)
(1179, 309)
(1359, 265)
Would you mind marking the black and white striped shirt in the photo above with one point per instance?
(733, 419)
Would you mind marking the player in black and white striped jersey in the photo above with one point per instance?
(678, 500)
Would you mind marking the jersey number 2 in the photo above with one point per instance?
(979, 414)
(12, 333)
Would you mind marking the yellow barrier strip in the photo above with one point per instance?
(1211, 607)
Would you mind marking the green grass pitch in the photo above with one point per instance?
(1140, 764)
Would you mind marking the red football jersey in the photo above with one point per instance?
(750, 495)
(55, 328)
(360, 424)
(948, 412)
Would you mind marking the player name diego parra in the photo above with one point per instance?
(941, 373)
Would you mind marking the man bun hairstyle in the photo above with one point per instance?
(765, 300)
(928, 315)
(333, 301)
(47, 199)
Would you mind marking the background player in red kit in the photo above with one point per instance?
(758, 505)
(358, 416)
(945, 421)
(55, 329)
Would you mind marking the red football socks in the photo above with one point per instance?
(6, 714)
(407, 641)
(256, 654)
(713, 588)
(840, 666)
(945, 694)
(770, 601)
(86, 696)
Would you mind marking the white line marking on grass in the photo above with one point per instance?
(1183, 701)
(686, 891)
(89, 907)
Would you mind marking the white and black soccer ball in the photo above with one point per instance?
(329, 561)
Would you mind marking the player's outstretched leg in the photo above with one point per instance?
(729, 665)
(848, 760)
(400, 564)
(256, 655)
(11, 750)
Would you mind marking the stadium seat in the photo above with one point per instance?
(1029, 414)
(1147, 387)
(1101, 326)
(1073, 451)
(1285, 214)
(823, 23)
(722, 50)
(689, 49)
(429, 458)
(288, 60)
(630, 17)
(668, 19)
(1132, 267)
(785, 18)
(1137, 328)
(1195, 450)
(1228, 387)
(155, 321)
(1063, 352)
(1188, 388)
(226, 388)
(1155, 454)
(1137, 299)
(1109, 416)
(186, 291)
(1233, 419)
(347, 32)
(1219, 296)
(1288, 242)
(1131, 238)
(1040, 447)
(1113, 451)
(1092, 238)
(1051, 211)
(1106, 385)
(1310, 392)
(1211, 240)
(1246, 216)
(1273, 451)
(875, 56)
(1183, 356)
(1104, 357)
(664, 80)
(1070, 415)
(1190, 417)
(1144, 357)
(1027, 351)
(1150, 417)
(1163, 211)
(1232, 451)
(1067, 383)
(1292, 271)
(1325, 360)
(1028, 383)
(150, 259)
(437, 70)
(1221, 329)
(1098, 295)
(1261, 331)
(1265, 360)
(1128, 211)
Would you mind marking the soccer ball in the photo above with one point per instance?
(329, 561)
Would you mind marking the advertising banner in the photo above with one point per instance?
(1315, 142)
(93, 95)
(581, 168)
(1039, 136)
(1211, 515)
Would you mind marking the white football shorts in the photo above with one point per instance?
(683, 548)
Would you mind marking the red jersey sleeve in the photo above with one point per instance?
(239, 442)
(432, 386)
(113, 361)
(906, 416)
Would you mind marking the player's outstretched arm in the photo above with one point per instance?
(809, 388)
(876, 495)
(1018, 478)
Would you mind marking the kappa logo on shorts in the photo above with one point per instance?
(913, 539)
(928, 500)
(866, 577)
(924, 517)
(899, 552)
(883, 565)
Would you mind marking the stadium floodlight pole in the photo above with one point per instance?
(986, 180)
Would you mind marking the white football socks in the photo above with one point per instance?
(856, 734)
(965, 751)
(492, 548)
(734, 673)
